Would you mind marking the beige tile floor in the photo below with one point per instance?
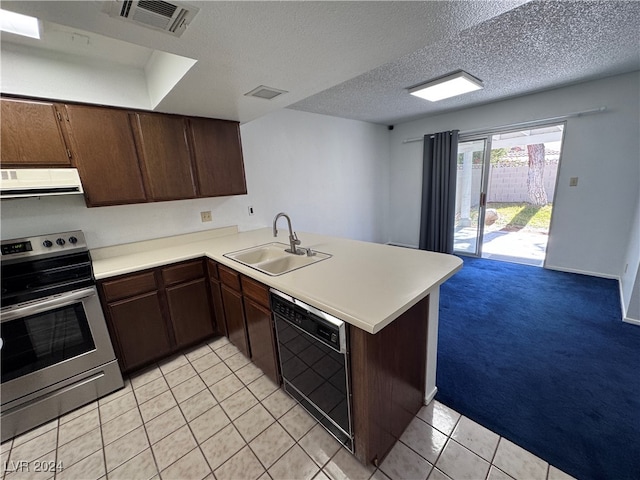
(211, 414)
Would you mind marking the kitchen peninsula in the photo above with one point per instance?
(387, 295)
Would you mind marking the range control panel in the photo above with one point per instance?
(54, 243)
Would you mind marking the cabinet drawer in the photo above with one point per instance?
(255, 290)
(129, 286)
(213, 269)
(229, 277)
(182, 272)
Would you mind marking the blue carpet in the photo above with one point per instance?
(543, 358)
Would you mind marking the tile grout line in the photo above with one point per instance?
(433, 466)
(493, 457)
(143, 427)
(248, 444)
(198, 446)
(187, 423)
(236, 428)
(104, 449)
(207, 387)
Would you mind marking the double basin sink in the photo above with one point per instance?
(272, 259)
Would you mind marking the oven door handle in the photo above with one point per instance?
(50, 303)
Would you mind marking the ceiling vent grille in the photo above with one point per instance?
(267, 93)
(170, 17)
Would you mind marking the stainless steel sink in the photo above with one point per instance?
(272, 259)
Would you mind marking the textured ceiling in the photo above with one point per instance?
(301, 47)
(356, 59)
(537, 46)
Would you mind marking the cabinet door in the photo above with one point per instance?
(32, 135)
(218, 157)
(105, 154)
(234, 314)
(216, 298)
(141, 332)
(218, 307)
(189, 311)
(165, 155)
(261, 338)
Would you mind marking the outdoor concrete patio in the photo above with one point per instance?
(524, 246)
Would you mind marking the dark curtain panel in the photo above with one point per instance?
(439, 191)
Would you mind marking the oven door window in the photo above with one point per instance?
(39, 341)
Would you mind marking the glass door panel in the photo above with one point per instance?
(38, 341)
(470, 181)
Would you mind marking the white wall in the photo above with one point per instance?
(591, 223)
(329, 174)
(71, 78)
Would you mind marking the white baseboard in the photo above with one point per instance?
(583, 272)
(625, 318)
(430, 396)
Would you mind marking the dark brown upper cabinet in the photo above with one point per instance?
(125, 156)
(32, 135)
(218, 159)
(105, 155)
(165, 156)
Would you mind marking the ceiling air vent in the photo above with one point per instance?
(267, 93)
(170, 17)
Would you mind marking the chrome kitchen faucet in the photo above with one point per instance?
(293, 238)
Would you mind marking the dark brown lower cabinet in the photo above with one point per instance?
(388, 381)
(216, 298)
(260, 327)
(261, 338)
(189, 311)
(140, 330)
(154, 313)
(235, 316)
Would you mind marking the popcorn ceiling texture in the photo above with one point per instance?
(537, 46)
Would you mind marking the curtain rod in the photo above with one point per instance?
(516, 125)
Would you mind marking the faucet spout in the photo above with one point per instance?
(293, 238)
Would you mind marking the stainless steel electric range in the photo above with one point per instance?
(55, 349)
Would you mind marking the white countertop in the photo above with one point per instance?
(368, 285)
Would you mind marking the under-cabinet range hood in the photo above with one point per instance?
(39, 182)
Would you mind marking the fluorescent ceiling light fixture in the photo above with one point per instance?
(19, 24)
(448, 86)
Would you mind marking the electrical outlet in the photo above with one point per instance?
(251, 212)
(205, 216)
(573, 182)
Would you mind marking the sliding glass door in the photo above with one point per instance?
(470, 196)
(505, 186)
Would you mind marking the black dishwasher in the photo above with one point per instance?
(314, 363)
